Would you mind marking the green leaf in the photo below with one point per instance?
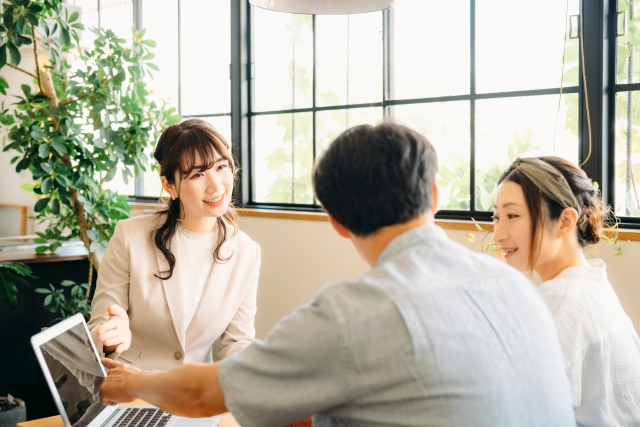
(67, 283)
(78, 25)
(59, 147)
(42, 249)
(48, 299)
(74, 17)
(41, 204)
(15, 54)
(45, 167)
(3, 55)
(55, 207)
(43, 291)
(153, 66)
(149, 43)
(27, 186)
(46, 185)
(110, 174)
(43, 151)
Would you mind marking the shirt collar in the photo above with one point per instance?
(409, 238)
(597, 269)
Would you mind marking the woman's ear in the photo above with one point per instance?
(567, 222)
(168, 187)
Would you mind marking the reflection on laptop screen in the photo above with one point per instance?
(75, 369)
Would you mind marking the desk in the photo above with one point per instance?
(227, 420)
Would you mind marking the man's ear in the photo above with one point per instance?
(168, 187)
(567, 222)
(341, 230)
(434, 195)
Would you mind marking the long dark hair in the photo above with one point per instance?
(177, 150)
(543, 209)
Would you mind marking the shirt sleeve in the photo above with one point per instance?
(297, 371)
(241, 331)
(112, 286)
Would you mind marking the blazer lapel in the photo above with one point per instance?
(173, 290)
(214, 290)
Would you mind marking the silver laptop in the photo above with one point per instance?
(72, 368)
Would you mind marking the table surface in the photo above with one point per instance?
(227, 420)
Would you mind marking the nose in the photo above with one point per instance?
(499, 231)
(213, 182)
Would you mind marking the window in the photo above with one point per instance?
(486, 82)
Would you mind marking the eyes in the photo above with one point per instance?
(496, 218)
(220, 167)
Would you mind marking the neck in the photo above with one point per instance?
(200, 225)
(370, 247)
(567, 255)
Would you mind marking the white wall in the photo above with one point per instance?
(299, 257)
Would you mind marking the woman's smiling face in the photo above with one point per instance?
(512, 225)
(205, 193)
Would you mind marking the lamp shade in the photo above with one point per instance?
(323, 7)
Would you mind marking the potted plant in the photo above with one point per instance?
(12, 411)
(88, 115)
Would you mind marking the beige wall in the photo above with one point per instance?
(299, 257)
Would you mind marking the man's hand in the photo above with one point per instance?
(114, 333)
(114, 387)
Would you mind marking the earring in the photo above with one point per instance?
(173, 197)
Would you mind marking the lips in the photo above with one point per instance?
(507, 252)
(215, 201)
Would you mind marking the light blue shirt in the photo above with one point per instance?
(433, 335)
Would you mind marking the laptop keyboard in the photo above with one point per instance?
(143, 417)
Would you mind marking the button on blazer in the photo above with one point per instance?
(155, 307)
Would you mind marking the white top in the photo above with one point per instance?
(195, 263)
(600, 345)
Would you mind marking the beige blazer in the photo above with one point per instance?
(161, 339)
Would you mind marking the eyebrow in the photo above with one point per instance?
(506, 205)
(201, 167)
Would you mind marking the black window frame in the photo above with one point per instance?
(599, 38)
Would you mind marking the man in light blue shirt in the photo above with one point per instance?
(432, 335)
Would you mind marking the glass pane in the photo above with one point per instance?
(117, 16)
(431, 48)
(89, 18)
(151, 179)
(507, 128)
(349, 59)
(283, 60)
(628, 43)
(446, 126)
(627, 155)
(205, 55)
(118, 184)
(520, 45)
(283, 153)
(331, 123)
(165, 33)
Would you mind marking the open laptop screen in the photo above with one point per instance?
(76, 372)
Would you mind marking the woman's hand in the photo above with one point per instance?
(114, 333)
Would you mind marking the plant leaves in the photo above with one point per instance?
(59, 147)
(41, 204)
(15, 54)
(43, 151)
(46, 185)
(3, 55)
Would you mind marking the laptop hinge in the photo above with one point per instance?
(117, 411)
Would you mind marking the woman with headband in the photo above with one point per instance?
(547, 210)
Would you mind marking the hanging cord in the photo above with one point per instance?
(584, 85)
(564, 52)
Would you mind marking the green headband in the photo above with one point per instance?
(552, 183)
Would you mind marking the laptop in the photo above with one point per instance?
(72, 368)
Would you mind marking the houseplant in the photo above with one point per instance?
(88, 115)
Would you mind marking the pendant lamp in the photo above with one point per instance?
(323, 7)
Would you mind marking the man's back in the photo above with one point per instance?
(433, 335)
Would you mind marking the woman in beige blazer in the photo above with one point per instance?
(172, 283)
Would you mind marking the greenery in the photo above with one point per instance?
(12, 274)
(89, 117)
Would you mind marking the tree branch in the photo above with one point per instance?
(81, 217)
(35, 55)
(105, 177)
(20, 69)
(84, 95)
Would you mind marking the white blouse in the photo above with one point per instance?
(600, 345)
(196, 261)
